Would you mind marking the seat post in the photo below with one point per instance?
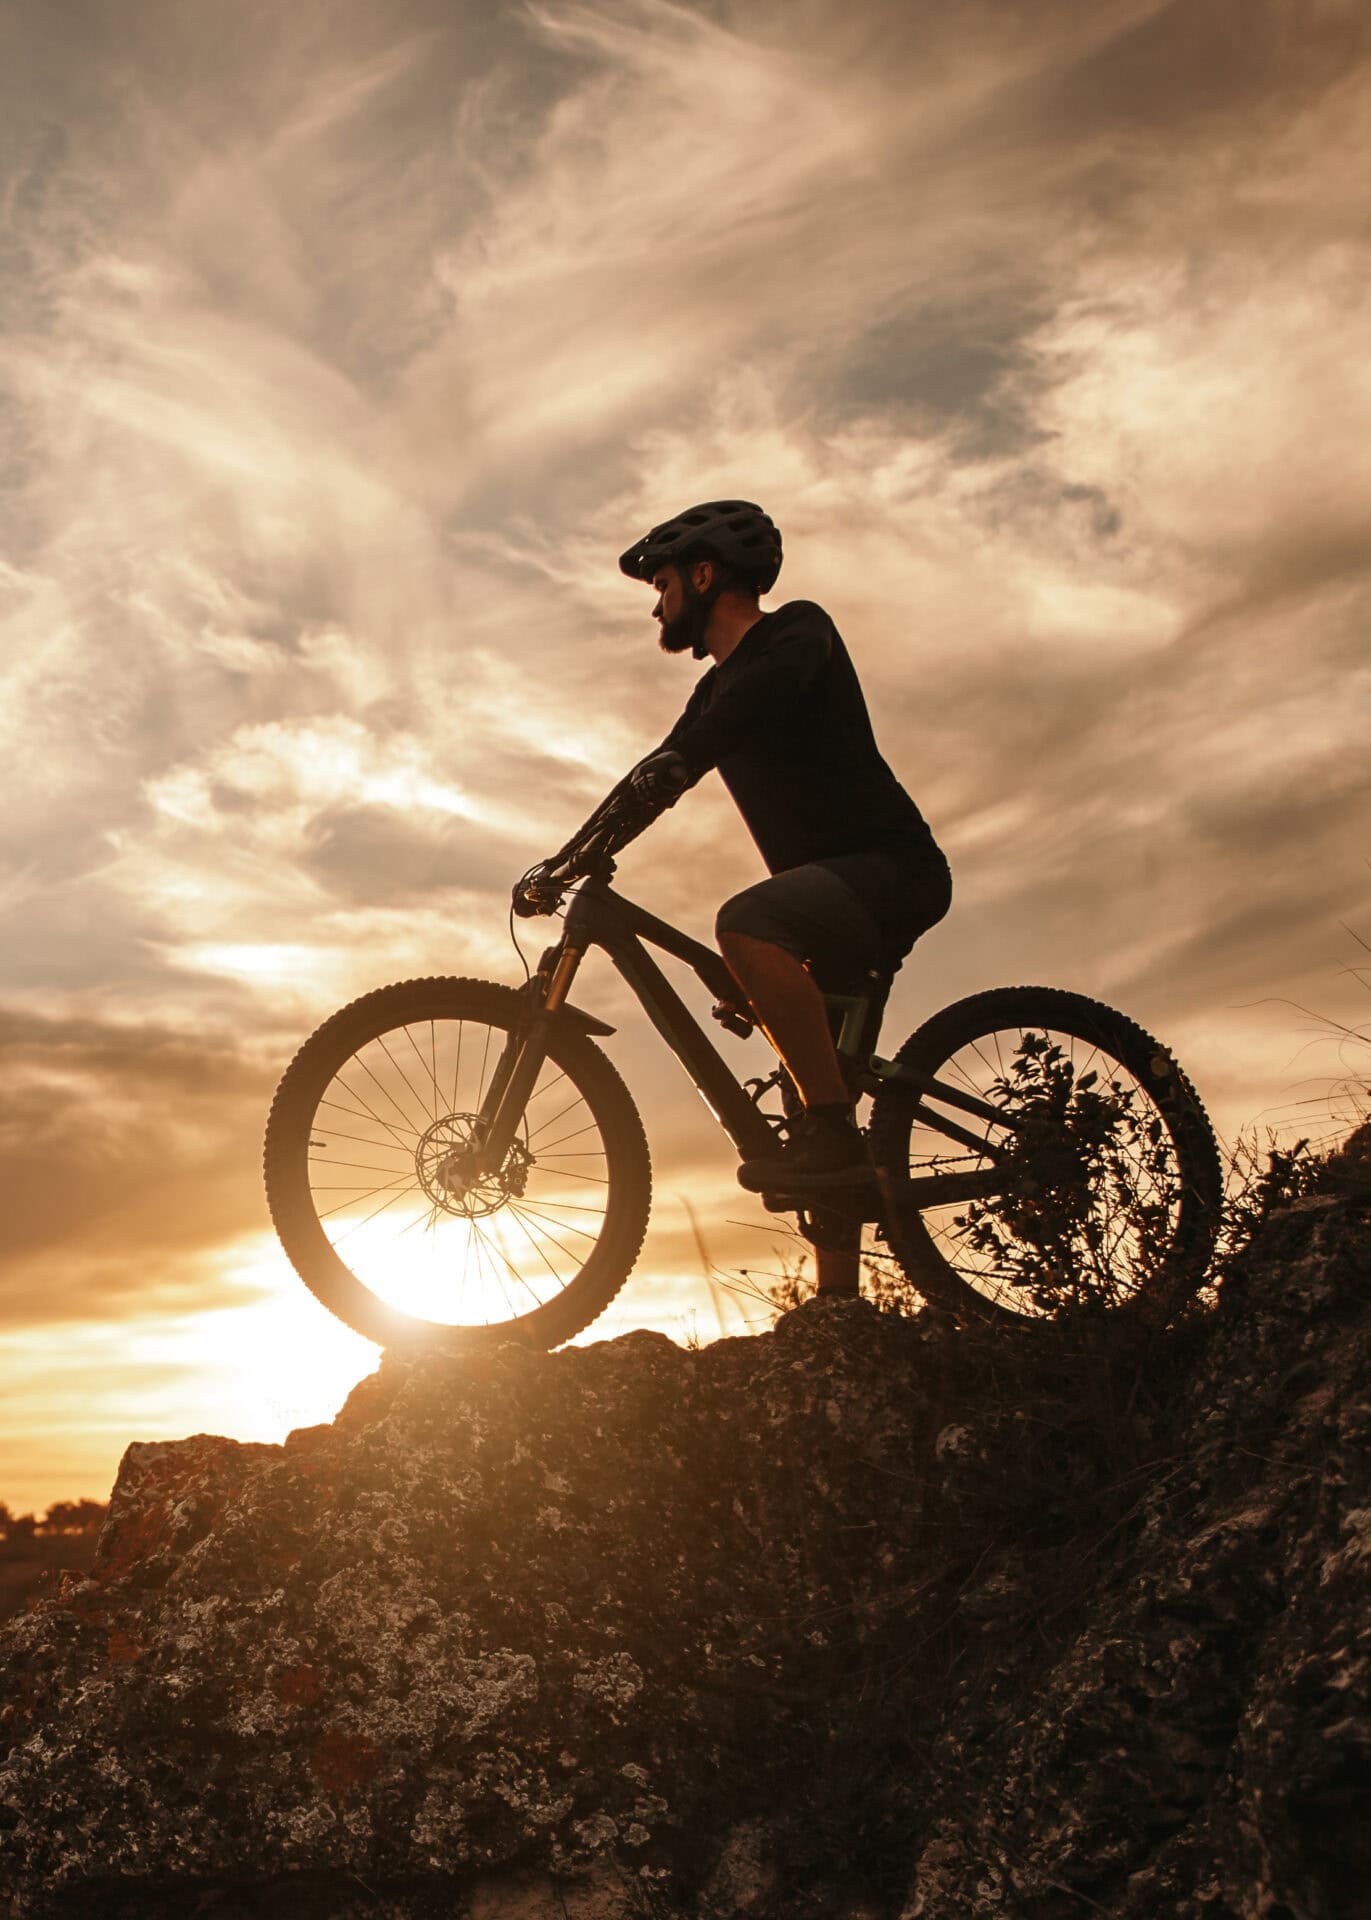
(855, 1018)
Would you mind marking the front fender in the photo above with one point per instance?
(587, 1022)
(567, 1014)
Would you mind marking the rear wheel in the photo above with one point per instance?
(377, 1199)
(1100, 1174)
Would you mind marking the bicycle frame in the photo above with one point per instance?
(598, 916)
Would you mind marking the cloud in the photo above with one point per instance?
(1193, 72)
(128, 1150)
(344, 349)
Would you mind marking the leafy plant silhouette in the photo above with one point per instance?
(1091, 1193)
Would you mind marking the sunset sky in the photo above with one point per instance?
(344, 348)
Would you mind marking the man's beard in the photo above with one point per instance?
(686, 633)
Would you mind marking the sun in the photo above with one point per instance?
(274, 1359)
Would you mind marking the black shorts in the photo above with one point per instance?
(846, 917)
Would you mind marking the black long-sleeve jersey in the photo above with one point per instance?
(784, 721)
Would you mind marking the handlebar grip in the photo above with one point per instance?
(537, 893)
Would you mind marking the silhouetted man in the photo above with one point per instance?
(855, 874)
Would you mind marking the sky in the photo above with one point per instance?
(342, 350)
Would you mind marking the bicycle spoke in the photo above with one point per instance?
(537, 1247)
(574, 1173)
(423, 1108)
(358, 1225)
(428, 1067)
(577, 1102)
(570, 1206)
(399, 1191)
(484, 1271)
(426, 1220)
(367, 1113)
(362, 1166)
(368, 1193)
(567, 1226)
(380, 1119)
(362, 1140)
(519, 1278)
(553, 1144)
(457, 1067)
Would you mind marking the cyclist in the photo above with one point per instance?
(856, 875)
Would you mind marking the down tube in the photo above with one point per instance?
(736, 1114)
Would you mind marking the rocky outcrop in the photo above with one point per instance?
(864, 1617)
(1200, 1748)
(563, 1615)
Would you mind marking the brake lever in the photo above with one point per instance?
(538, 892)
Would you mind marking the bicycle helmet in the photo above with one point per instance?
(736, 533)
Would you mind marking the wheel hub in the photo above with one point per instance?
(448, 1169)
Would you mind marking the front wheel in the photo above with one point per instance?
(1091, 1179)
(376, 1194)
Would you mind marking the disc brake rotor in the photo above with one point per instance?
(446, 1162)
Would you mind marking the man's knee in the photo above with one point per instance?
(733, 917)
(808, 913)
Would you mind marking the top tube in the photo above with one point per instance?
(597, 913)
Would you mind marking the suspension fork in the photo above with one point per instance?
(524, 1052)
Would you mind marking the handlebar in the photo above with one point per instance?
(620, 817)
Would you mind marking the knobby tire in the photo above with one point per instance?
(997, 1261)
(371, 1108)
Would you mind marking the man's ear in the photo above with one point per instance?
(702, 575)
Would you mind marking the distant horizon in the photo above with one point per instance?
(44, 1519)
(344, 351)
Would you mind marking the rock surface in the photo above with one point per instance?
(1201, 1748)
(861, 1619)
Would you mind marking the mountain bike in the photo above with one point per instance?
(458, 1161)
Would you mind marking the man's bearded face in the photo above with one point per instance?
(680, 612)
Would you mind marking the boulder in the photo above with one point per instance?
(511, 1621)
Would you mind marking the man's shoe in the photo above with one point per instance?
(824, 1151)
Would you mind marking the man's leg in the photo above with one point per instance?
(830, 912)
(837, 1253)
(792, 1014)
